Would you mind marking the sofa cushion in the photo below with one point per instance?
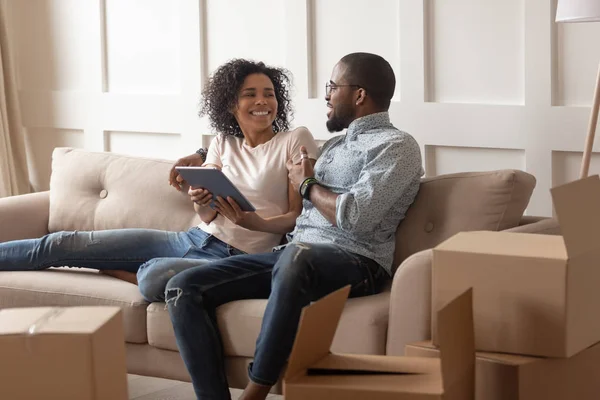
(67, 287)
(448, 204)
(95, 191)
(240, 321)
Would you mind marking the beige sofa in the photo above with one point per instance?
(94, 191)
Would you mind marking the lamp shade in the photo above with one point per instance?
(578, 11)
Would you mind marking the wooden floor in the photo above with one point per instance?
(145, 388)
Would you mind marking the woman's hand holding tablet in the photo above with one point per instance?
(216, 183)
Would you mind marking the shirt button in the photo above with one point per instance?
(103, 193)
(428, 227)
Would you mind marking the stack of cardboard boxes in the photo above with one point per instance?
(515, 317)
(536, 302)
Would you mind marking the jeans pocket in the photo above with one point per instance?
(362, 287)
(199, 238)
(372, 280)
(235, 252)
(199, 242)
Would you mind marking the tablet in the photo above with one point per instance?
(216, 182)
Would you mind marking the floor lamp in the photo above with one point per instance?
(584, 11)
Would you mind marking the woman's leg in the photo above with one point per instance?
(119, 249)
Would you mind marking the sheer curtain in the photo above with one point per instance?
(14, 177)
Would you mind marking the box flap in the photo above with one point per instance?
(376, 364)
(84, 319)
(506, 244)
(384, 386)
(422, 344)
(502, 358)
(316, 330)
(39, 320)
(576, 205)
(509, 359)
(456, 335)
(19, 320)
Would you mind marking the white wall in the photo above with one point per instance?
(482, 84)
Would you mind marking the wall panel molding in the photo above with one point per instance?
(530, 112)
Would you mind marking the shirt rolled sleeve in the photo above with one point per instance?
(394, 170)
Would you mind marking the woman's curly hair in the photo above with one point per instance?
(220, 95)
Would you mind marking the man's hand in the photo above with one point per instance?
(299, 172)
(231, 210)
(176, 180)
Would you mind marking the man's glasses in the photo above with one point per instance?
(330, 87)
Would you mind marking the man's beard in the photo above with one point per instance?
(341, 117)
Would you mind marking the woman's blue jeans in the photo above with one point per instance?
(156, 256)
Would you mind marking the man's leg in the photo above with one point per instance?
(303, 273)
(152, 276)
(192, 297)
(118, 249)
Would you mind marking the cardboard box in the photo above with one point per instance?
(512, 377)
(67, 353)
(314, 373)
(533, 294)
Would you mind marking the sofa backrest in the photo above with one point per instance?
(96, 191)
(88, 192)
(471, 201)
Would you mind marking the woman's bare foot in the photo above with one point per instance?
(254, 391)
(123, 275)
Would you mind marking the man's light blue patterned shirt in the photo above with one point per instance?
(376, 170)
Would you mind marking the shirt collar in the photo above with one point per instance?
(366, 123)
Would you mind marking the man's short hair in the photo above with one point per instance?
(374, 74)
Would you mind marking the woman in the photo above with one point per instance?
(248, 104)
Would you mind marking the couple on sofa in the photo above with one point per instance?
(343, 210)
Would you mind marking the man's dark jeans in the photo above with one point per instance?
(290, 279)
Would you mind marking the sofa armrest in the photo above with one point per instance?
(410, 299)
(545, 226)
(24, 216)
(410, 303)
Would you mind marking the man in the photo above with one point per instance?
(354, 199)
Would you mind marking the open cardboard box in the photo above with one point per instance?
(70, 353)
(534, 294)
(315, 373)
(501, 376)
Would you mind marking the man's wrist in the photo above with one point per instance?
(305, 187)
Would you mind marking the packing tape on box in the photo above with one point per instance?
(40, 322)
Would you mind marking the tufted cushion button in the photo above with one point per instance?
(428, 227)
(103, 194)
